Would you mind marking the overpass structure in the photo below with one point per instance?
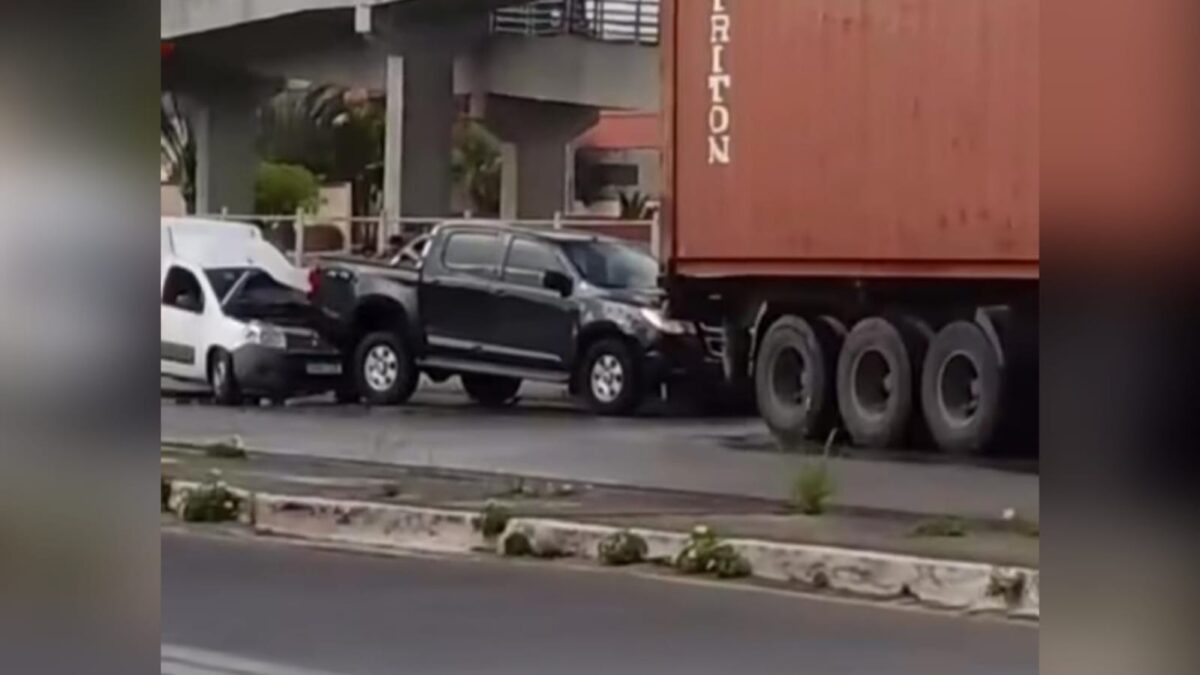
(536, 72)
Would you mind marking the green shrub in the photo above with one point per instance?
(282, 189)
(211, 502)
(812, 488)
(622, 548)
(494, 519)
(705, 553)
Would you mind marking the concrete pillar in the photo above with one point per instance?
(420, 116)
(542, 133)
(508, 180)
(224, 124)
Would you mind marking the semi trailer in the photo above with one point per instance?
(851, 194)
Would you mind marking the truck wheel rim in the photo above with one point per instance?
(381, 367)
(958, 389)
(872, 383)
(791, 380)
(608, 378)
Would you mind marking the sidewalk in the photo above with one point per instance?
(619, 506)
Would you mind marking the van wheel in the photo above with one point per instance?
(491, 391)
(222, 379)
(961, 389)
(384, 369)
(610, 379)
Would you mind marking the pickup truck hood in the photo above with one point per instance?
(639, 297)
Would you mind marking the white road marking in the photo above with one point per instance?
(177, 660)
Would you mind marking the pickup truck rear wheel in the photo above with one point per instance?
(610, 379)
(492, 391)
(384, 369)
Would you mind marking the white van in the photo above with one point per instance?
(235, 314)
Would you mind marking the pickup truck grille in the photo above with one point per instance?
(714, 340)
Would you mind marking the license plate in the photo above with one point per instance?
(323, 368)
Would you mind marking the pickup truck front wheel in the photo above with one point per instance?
(609, 378)
(490, 390)
(384, 369)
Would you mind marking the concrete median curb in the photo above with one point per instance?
(942, 584)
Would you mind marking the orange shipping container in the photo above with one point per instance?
(873, 138)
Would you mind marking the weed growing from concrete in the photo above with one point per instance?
(622, 548)
(705, 553)
(494, 519)
(813, 486)
(211, 502)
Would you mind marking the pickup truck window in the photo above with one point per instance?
(473, 251)
(528, 260)
(181, 289)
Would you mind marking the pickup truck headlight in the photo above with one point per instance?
(265, 335)
(661, 323)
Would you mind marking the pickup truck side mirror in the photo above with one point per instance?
(557, 281)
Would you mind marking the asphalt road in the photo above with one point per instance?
(257, 608)
(546, 436)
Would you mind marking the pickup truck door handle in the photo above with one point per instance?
(499, 292)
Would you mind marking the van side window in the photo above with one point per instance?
(182, 290)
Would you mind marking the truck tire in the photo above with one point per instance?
(609, 378)
(877, 376)
(961, 389)
(793, 379)
(222, 379)
(491, 391)
(384, 369)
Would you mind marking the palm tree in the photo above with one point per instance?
(332, 131)
(476, 165)
(177, 148)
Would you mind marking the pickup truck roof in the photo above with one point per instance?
(540, 232)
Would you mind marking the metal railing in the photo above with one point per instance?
(370, 235)
(629, 21)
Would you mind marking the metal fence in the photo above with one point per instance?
(630, 21)
(302, 236)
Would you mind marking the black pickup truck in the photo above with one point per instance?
(497, 305)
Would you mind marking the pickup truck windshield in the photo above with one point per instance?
(613, 265)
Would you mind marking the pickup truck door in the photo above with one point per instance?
(182, 323)
(538, 330)
(456, 294)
